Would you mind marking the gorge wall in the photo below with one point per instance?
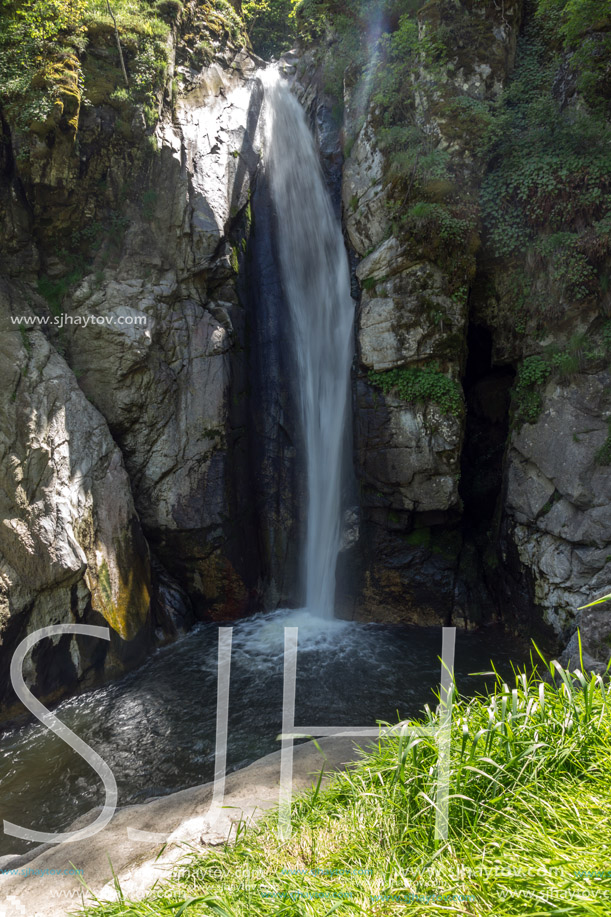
(119, 435)
(150, 471)
(482, 379)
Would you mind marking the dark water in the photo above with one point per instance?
(156, 726)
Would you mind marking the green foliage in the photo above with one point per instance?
(533, 371)
(582, 29)
(383, 56)
(271, 25)
(233, 24)
(411, 153)
(574, 275)
(351, 29)
(441, 222)
(426, 385)
(204, 49)
(42, 64)
(169, 10)
(37, 67)
(147, 75)
(120, 96)
(44, 20)
(465, 116)
(568, 361)
(527, 401)
(551, 173)
(563, 363)
(426, 203)
(548, 190)
(314, 18)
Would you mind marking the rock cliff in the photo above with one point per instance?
(124, 406)
(415, 276)
(480, 264)
(71, 543)
(151, 468)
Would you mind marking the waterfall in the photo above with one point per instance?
(316, 280)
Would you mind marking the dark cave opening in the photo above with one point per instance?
(487, 394)
(487, 391)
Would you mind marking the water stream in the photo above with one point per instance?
(316, 279)
(156, 726)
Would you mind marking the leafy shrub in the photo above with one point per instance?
(120, 95)
(527, 401)
(426, 385)
(41, 42)
(582, 28)
(271, 25)
(441, 221)
(233, 23)
(169, 10)
(549, 188)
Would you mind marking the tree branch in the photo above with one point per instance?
(112, 16)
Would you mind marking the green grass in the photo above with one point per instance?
(529, 827)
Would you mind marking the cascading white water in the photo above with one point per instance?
(316, 279)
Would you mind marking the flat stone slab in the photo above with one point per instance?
(44, 881)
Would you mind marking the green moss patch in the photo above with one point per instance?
(425, 385)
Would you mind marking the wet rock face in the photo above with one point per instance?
(71, 545)
(558, 496)
(401, 581)
(405, 314)
(302, 71)
(363, 196)
(273, 476)
(408, 455)
(174, 345)
(538, 494)
(127, 440)
(165, 385)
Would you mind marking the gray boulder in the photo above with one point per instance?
(558, 497)
(71, 547)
